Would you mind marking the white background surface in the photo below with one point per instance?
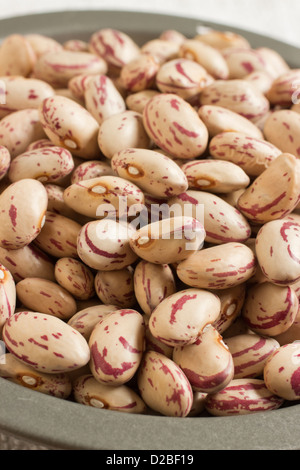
(276, 18)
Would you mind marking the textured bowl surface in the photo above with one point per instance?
(32, 420)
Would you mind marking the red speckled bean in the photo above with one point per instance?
(139, 74)
(4, 161)
(17, 56)
(45, 342)
(117, 344)
(89, 170)
(137, 101)
(163, 386)
(7, 295)
(222, 39)
(75, 277)
(241, 397)
(116, 287)
(207, 56)
(86, 319)
(282, 129)
(232, 300)
(283, 88)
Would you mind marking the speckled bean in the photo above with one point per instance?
(283, 88)
(139, 74)
(90, 169)
(281, 372)
(8, 297)
(88, 391)
(174, 125)
(116, 287)
(41, 44)
(59, 236)
(104, 245)
(152, 171)
(251, 154)
(207, 56)
(45, 342)
(57, 204)
(4, 161)
(152, 284)
(270, 310)
(75, 277)
(236, 95)
(70, 125)
(163, 386)
(218, 267)
(179, 319)
(117, 344)
(137, 101)
(121, 131)
(241, 397)
(169, 240)
(86, 319)
(263, 201)
(218, 119)
(250, 353)
(282, 129)
(232, 300)
(207, 363)
(17, 57)
(161, 50)
(222, 39)
(242, 61)
(261, 80)
(76, 45)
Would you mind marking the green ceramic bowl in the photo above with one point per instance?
(58, 424)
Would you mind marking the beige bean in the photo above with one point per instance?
(236, 95)
(207, 363)
(114, 46)
(70, 125)
(179, 319)
(19, 129)
(242, 397)
(75, 277)
(172, 35)
(222, 39)
(174, 125)
(242, 61)
(152, 171)
(117, 344)
(116, 287)
(28, 261)
(90, 169)
(161, 50)
(77, 85)
(261, 80)
(263, 201)
(232, 301)
(217, 176)
(139, 74)
(218, 119)
(57, 68)
(96, 197)
(250, 353)
(45, 343)
(270, 309)
(163, 386)
(102, 98)
(17, 57)
(218, 267)
(4, 161)
(121, 131)
(198, 404)
(46, 296)
(281, 372)
(282, 129)
(76, 45)
(233, 197)
(23, 205)
(57, 204)
(104, 245)
(155, 344)
(86, 319)
(183, 77)
(209, 57)
(152, 284)
(276, 63)
(42, 44)
(47, 165)
(56, 385)
(59, 236)
(253, 155)
(284, 89)
(8, 298)
(169, 240)
(88, 391)
(39, 144)
(223, 223)
(277, 251)
(137, 101)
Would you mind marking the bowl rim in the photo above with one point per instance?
(63, 424)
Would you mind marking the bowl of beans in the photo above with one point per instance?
(149, 234)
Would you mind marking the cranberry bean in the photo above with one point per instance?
(86, 319)
(116, 287)
(75, 277)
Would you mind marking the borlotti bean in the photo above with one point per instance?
(152, 284)
(117, 344)
(169, 240)
(149, 222)
(251, 154)
(90, 392)
(250, 353)
(180, 318)
(207, 363)
(57, 385)
(47, 296)
(163, 386)
(281, 371)
(241, 397)
(45, 342)
(174, 125)
(153, 172)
